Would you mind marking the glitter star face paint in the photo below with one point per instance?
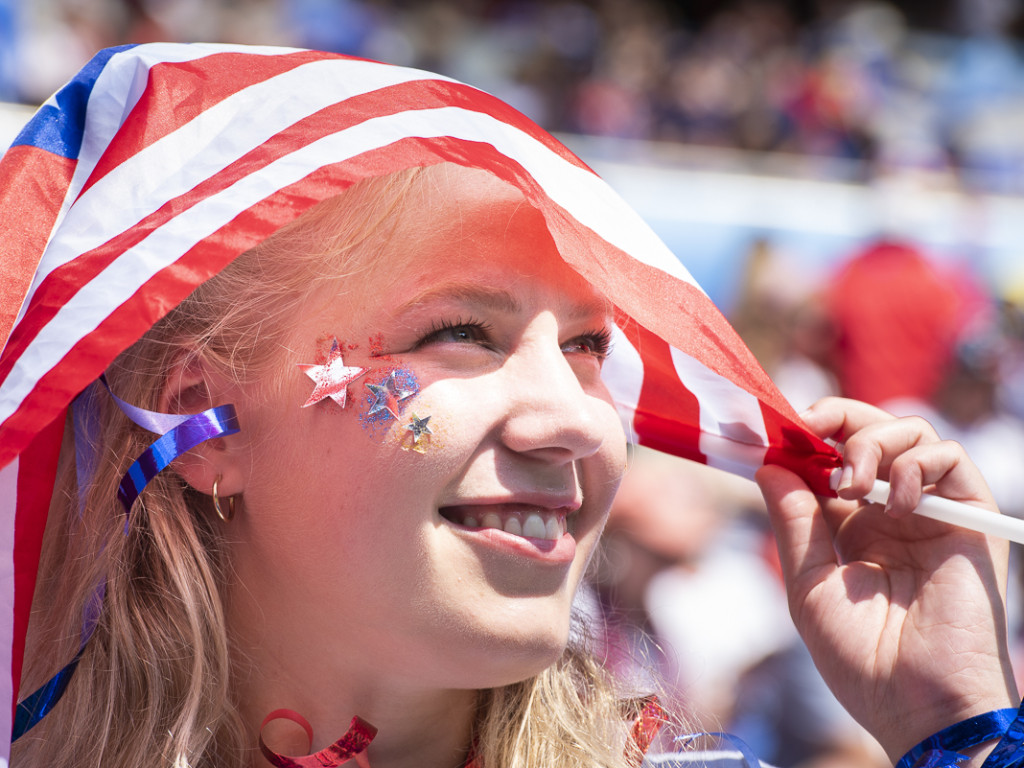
(420, 432)
(386, 398)
(332, 377)
(433, 531)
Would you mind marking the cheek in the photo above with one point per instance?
(612, 455)
(386, 399)
(603, 472)
(426, 421)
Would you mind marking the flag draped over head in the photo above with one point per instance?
(158, 164)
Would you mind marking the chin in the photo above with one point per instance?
(512, 659)
(522, 658)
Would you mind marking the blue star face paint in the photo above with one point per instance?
(385, 399)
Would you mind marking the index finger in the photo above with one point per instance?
(840, 417)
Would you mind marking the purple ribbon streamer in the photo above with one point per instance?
(178, 433)
(193, 430)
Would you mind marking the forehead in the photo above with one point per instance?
(466, 227)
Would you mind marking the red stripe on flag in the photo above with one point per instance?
(64, 282)
(36, 473)
(27, 214)
(667, 415)
(796, 448)
(178, 92)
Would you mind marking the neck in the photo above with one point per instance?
(415, 728)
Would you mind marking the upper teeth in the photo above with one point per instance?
(533, 525)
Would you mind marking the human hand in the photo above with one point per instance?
(905, 616)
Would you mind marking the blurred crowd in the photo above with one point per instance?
(687, 588)
(931, 85)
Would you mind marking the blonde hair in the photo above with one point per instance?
(154, 686)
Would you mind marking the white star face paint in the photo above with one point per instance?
(331, 378)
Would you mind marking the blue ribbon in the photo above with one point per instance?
(178, 434)
(1010, 749)
(946, 746)
(38, 704)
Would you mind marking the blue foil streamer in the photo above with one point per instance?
(38, 704)
(1009, 752)
(215, 422)
(179, 433)
(946, 746)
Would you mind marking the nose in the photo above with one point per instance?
(550, 414)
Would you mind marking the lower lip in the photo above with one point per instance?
(561, 551)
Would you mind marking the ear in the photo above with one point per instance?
(192, 386)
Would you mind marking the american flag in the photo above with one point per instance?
(158, 164)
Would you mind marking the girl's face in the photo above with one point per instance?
(369, 546)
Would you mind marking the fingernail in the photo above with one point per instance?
(834, 477)
(846, 479)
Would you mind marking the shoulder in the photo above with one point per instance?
(717, 758)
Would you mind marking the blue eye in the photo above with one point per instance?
(458, 332)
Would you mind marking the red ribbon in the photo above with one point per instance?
(645, 728)
(350, 746)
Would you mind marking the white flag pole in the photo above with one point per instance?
(955, 513)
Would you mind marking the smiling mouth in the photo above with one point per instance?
(545, 524)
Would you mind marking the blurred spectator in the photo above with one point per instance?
(787, 714)
(779, 314)
(615, 99)
(341, 26)
(897, 320)
(662, 517)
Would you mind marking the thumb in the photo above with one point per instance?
(804, 539)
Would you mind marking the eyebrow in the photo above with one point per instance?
(495, 299)
(487, 298)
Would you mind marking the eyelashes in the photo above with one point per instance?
(596, 343)
(459, 331)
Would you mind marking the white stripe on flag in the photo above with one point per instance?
(731, 421)
(567, 184)
(623, 374)
(169, 167)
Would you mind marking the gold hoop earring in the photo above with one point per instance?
(216, 504)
